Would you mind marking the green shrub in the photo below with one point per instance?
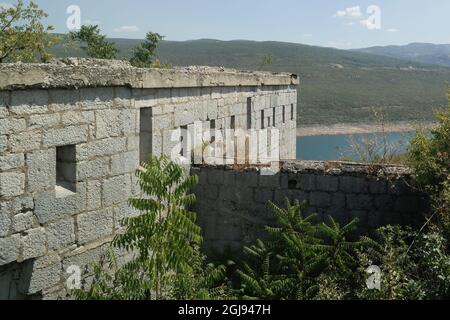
(166, 242)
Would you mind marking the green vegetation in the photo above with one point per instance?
(301, 257)
(22, 35)
(143, 54)
(93, 43)
(165, 239)
(337, 86)
(419, 52)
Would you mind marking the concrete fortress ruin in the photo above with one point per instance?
(73, 132)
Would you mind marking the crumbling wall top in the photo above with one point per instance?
(78, 72)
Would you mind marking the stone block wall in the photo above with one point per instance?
(232, 205)
(72, 134)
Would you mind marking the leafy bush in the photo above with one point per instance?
(302, 259)
(166, 242)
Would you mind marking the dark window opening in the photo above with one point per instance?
(66, 168)
(145, 135)
(184, 141)
(213, 131)
(292, 112)
(233, 123)
(284, 114)
(249, 113)
(262, 119)
(274, 117)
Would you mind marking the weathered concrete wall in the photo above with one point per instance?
(71, 137)
(232, 205)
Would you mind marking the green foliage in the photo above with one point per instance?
(93, 43)
(328, 94)
(23, 37)
(267, 60)
(165, 240)
(144, 53)
(301, 258)
(430, 160)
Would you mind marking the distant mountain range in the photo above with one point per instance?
(419, 52)
(336, 85)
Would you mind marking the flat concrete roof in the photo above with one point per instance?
(72, 73)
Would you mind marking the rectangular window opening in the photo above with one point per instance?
(184, 141)
(292, 112)
(66, 170)
(145, 135)
(284, 114)
(274, 117)
(262, 119)
(249, 113)
(233, 123)
(213, 131)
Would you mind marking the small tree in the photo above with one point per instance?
(22, 35)
(93, 43)
(166, 241)
(144, 53)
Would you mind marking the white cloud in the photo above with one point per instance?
(127, 29)
(352, 12)
(392, 30)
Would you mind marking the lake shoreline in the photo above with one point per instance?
(360, 128)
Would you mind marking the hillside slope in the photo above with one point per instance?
(336, 85)
(419, 52)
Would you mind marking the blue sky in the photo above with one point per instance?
(318, 22)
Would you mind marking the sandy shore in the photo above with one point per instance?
(356, 128)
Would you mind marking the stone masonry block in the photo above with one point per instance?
(320, 199)
(100, 148)
(12, 125)
(41, 274)
(25, 102)
(50, 208)
(94, 195)
(61, 234)
(307, 182)
(21, 204)
(66, 136)
(327, 183)
(11, 161)
(353, 184)
(269, 181)
(5, 219)
(95, 225)
(43, 121)
(25, 141)
(96, 98)
(108, 123)
(9, 249)
(12, 184)
(126, 162)
(3, 144)
(116, 190)
(33, 244)
(93, 169)
(359, 201)
(41, 170)
(23, 221)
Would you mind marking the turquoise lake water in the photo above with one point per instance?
(336, 147)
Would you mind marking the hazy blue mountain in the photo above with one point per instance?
(420, 52)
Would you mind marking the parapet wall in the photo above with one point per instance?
(72, 134)
(232, 205)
